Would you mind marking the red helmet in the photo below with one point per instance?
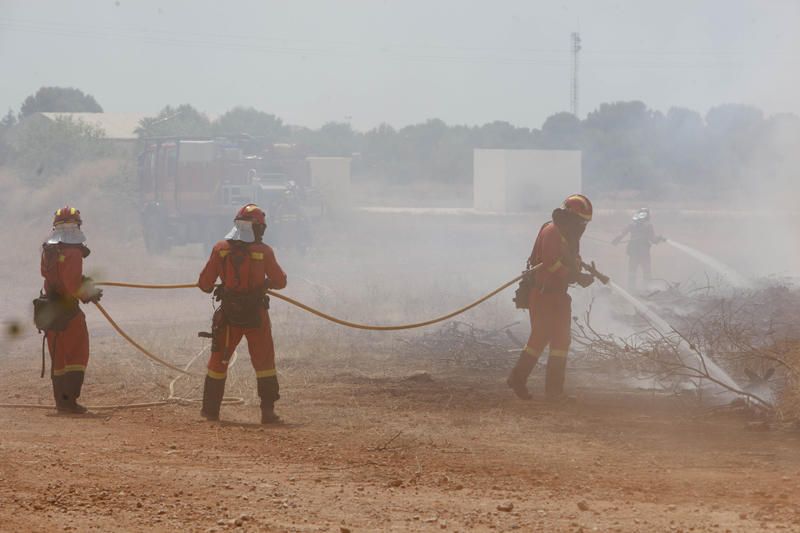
(580, 205)
(253, 213)
(67, 214)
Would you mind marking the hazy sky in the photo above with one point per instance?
(403, 61)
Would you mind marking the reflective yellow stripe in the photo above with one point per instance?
(69, 368)
(555, 266)
(223, 253)
(266, 373)
(61, 258)
(71, 210)
(530, 351)
(216, 375)
(558, 353)
(257, 255)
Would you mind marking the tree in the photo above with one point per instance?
(621, 116)
(619, 152)
(380, 160)
(500, 134)
(268, 128)
(8, 122)
(682, 147)
(561, 131)
(43, 148)
(181, 120)
(59, 100)
(332, 139)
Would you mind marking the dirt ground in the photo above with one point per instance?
(377, 437)
(390, 445)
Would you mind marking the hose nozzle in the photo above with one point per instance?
(592, 269)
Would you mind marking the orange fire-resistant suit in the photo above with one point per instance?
(246, 269)
(62, 270)
(550, 309)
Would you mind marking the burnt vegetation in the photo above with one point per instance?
(749, 333)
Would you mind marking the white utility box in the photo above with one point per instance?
(512, 181)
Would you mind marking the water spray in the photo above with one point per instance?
(706, 364)
(733, 277)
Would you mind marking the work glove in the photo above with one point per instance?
(95, 296)
(584, 279)
(91, 293)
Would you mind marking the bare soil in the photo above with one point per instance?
(387, 445)
(376, 437)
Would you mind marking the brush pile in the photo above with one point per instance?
(753, 334)
(465, 345)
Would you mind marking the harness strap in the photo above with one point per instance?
(44, 340)
(236, 255)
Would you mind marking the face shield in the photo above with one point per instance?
(242, 231)
(67, 233)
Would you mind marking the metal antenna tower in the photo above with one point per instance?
(573, 96)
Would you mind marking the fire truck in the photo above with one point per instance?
(190, 188)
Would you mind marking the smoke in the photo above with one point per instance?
(729, 274)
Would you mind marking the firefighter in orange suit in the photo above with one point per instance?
(64, 287)
(246, 267)
(557, 248)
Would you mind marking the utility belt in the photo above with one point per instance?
(522, 294)
(54, 312)
(530, 282)
(241, 308)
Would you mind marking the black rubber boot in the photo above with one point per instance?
(554, 377)
(58, 394)
(268, 391)
(213, 391)
(518, 378)
(72, 383)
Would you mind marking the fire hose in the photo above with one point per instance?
(228, 400)
(310, 309)
(171, 399)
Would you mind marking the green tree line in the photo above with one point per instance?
(626, 145)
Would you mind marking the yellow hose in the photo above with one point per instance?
(138, 346)
(146, 285)
(319, 313)
(173, 399)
